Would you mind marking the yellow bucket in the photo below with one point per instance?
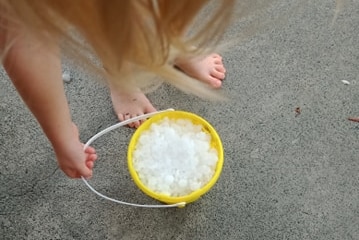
(206, 127)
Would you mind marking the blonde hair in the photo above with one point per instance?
(127, 36)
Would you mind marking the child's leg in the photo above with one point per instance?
(209, 69)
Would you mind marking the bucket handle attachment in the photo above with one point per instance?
(106, 130)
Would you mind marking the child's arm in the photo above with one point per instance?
(35, 70)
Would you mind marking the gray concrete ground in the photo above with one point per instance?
(285, 176)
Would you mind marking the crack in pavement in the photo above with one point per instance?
(31, 189)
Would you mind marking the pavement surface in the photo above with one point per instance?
(291, 154)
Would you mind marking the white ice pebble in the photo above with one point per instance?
(66, 77)
(346, 82)
(174, 157)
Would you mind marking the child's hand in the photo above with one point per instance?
(76, 162)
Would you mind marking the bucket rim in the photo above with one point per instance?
(216, 142)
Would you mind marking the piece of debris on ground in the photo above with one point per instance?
(346, 82)
(297, 111)
(66, 77)
(353, 119)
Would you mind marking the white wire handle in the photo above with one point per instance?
(106, 130)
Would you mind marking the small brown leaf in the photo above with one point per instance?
(353, 119)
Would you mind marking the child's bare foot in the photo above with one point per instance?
(129, 105)
(207, 69)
